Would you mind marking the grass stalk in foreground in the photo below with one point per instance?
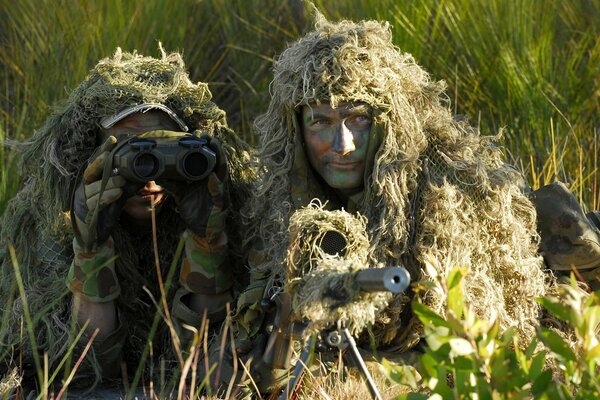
(28, 321)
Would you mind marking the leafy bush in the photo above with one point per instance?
(469, 358)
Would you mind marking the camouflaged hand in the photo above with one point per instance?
(203, 207)
(97, 204)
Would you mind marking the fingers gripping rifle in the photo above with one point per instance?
(278, 353)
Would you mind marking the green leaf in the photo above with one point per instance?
(427, 316)
(593, 354)
(591, 317)
(441, 388)
(593, 299)
(464, 381)
(456, 297)
(531, 348)
(455, 324)
(402, 374)
(429, 365)
(555, 308)
(464, 364)
(436, 337)
(540, 384)
(455, 277)
(414, 396)
(499, 365)
(537, 365)
(556, 344)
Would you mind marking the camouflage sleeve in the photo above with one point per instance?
(249, 311)
(92, 274)
(205, 268)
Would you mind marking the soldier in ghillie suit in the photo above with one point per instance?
(109, 265)
(356, 123)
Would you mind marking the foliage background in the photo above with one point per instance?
(529, 66)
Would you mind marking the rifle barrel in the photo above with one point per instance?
(388, 279)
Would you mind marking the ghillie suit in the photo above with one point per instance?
(36, 221)
(320, 272)
(434, 189)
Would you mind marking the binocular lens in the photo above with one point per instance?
(195, 165)
(146, 166)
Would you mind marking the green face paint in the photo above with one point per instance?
(336, 142)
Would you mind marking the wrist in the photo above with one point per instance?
(92, 273)
(205, 268)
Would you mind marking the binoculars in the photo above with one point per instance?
(182, 158)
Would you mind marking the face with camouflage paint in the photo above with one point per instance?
(336, 142)
(138, 207)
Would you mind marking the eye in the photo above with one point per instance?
(320, 122)
(363, 118)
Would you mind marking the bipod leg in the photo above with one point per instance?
(290, 390)
(358, 361)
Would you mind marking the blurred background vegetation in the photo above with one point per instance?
(531, 67)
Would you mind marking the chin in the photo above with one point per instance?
(344, 185)
(139, 209)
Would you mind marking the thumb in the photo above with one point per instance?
(93, 172)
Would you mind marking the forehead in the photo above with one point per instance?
(319, 109)
(140, 122)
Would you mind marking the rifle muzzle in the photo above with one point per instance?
(388, 279)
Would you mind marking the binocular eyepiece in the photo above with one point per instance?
(185, 157)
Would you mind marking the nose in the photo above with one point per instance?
(152, 186)
(344, 140)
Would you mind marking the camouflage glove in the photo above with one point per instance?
(97, 205)
(203, 207)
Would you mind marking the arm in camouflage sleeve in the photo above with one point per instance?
(206, 276)
(92, 278)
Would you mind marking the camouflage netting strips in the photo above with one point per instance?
(322, 285)
(437, 188)
(36, 223)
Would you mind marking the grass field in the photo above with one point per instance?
(530, 68)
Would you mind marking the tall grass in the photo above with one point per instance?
(531, 67)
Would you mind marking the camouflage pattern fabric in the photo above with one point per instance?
(92, 274)
(204, 269)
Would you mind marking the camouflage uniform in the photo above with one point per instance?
(435, 190)
(121, 266)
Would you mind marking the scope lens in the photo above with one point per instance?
(146, 166)
(334, 243)
(195, 165)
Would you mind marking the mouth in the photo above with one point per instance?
(345, 165)
(148, 194)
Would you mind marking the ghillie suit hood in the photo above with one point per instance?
(435, 189)
(36, 221)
